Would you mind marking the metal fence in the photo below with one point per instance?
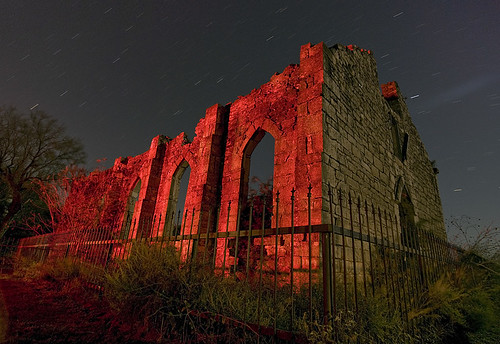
(324, 270)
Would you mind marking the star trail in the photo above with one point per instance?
(119, 73)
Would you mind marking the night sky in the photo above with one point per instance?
(118, 73)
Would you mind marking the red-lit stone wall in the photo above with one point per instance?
(204, 157)
(105, 193)
(330, 124)
(289, 108)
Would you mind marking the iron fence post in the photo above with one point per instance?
(353, 248)
(333, 281)
(292, 246)
(310, 251)
(276, 263)
(225, 240)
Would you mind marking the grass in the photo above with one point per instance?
(4, 319)
(151, 286)
(462, 306)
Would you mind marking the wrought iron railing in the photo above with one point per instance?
(363, 251)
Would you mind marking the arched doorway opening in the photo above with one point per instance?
(256, 188)
(129, 211)
(409, 236)
(257, 170)
(177, 199)
(409, 233)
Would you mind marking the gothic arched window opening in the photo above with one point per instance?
(177, 198)
(129, 211)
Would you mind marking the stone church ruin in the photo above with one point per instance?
(339, 138)
(354, 208)
(331, 126)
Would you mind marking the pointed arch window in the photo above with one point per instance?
(257, 178)
(177, 199)
(409, 236)
(400, 144)
(129, 211)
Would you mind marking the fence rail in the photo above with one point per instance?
(363, 251)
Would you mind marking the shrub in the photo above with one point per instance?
(151, 285)
(26, 267)
(376, 321)
(61, 269)
(461, 307)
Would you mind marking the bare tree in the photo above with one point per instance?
(32, 147)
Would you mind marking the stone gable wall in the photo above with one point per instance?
(416, 172)
(359, 151)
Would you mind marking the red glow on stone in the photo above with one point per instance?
(389, 90)
(292, 98)
(351, 47)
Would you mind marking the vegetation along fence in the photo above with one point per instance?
(297, 274)
(8, 248)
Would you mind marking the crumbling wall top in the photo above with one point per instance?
(390, 90)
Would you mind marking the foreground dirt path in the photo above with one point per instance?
(37, 312)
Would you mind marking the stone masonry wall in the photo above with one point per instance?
(359, 153)
(416, 172)
(331, 124)
(288, 108)
(204, 156)
(104, 194)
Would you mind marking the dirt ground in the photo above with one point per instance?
(47, 312)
